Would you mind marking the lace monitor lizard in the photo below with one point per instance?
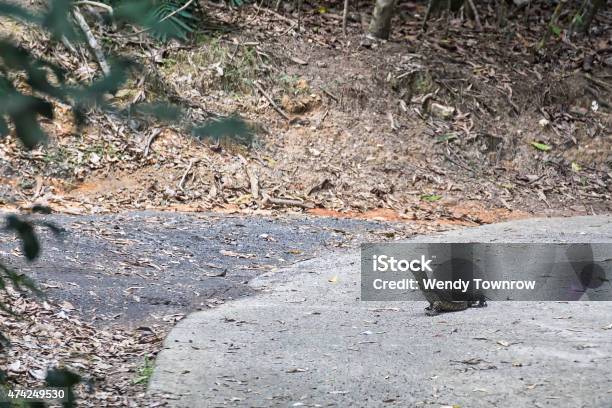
(441, 301)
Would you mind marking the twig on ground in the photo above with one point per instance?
(456, 163)
(331, 95)
(269, 98)
(509, 98)
(253, 180)
(599, 82)
(275, 14)
(345, 16)
(182, 182)
(154, 134)
(69, 46)
(476, 16)
(91, 41)
(320, 121)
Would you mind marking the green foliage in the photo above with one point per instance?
(164, 19)
(180, 22)
(447, 137)
(556, 30)
(48, 81)
(541, 146)
(237, 3)
(62, 378)
(232, 128)
(145, 372)
(30, 84)
(431, 197)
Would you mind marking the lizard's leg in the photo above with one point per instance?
(480, 301)
(431, 309)
(441, 306)
(431, 312)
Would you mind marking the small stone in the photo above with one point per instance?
(441, 111)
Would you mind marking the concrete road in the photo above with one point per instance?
(307, 340)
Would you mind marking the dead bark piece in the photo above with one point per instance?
(154, 134)
(91, 41)
(269, 99)
(253, 180)
(380, 25)
(502, 13)
(441, 111)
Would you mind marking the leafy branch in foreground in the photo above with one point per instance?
(30, 86)
(48, 82)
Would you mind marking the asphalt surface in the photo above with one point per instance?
(133, 267)
(308, 340)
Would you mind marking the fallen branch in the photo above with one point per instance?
(95, 4)
(320, 121)
(284, 201)
(91, 41)
(599, 82)
(274, 105)
(154, 134)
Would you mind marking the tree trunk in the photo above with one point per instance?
(380, 25)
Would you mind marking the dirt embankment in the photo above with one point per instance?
(452, 126)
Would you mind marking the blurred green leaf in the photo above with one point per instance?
(4, 130)
(25, 231)
(578, 19)
(161, 111)
(63, 378)
(445, 138)
(431, 197)
(20, 282)
(41, 209)
(17, 12)
(541, 146)
(556, 30)
(232, 127)
(57, 20)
